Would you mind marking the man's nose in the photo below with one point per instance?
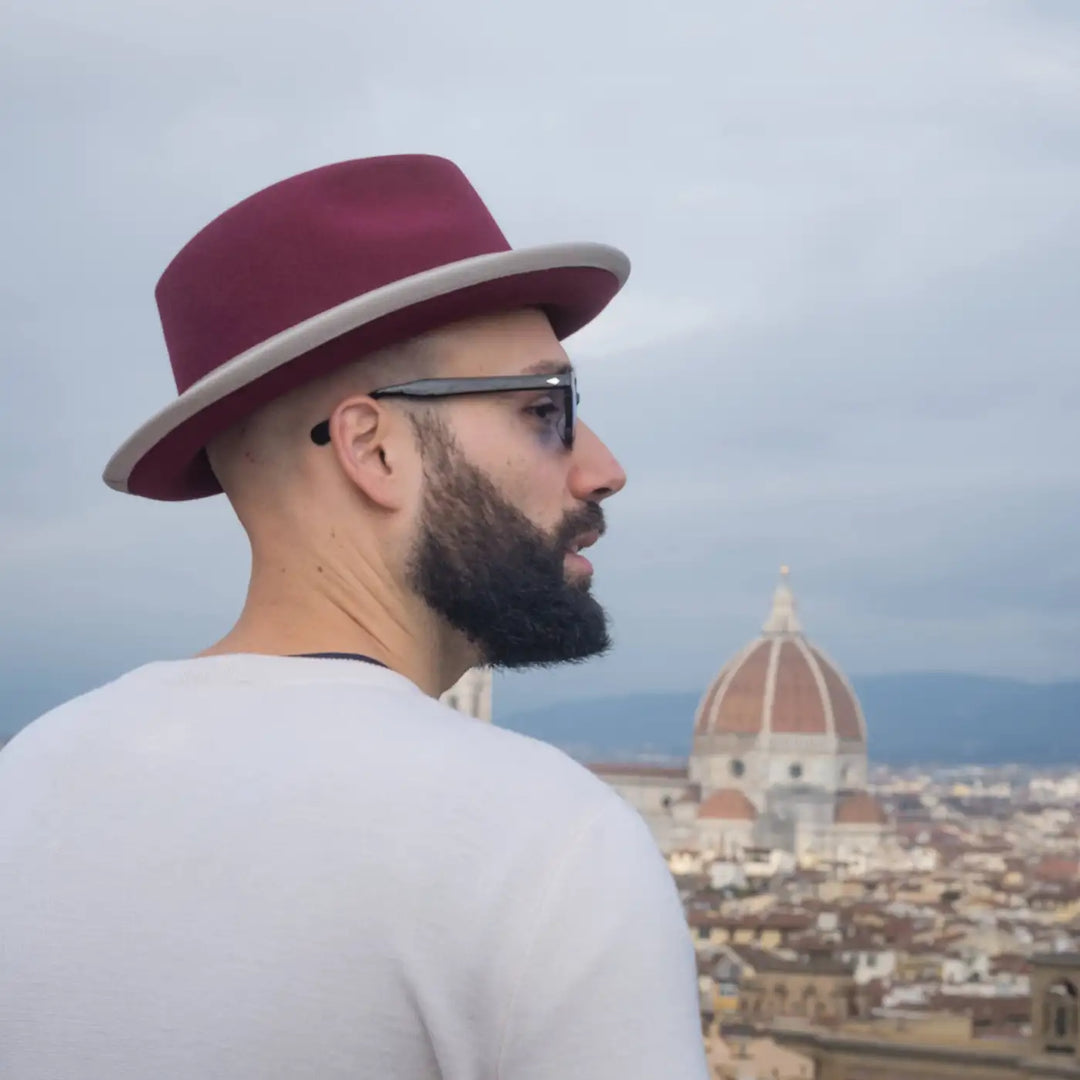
(596, 474)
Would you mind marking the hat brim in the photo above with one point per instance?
(165, 458)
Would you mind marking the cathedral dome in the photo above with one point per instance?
(780, 684)
(729, 804)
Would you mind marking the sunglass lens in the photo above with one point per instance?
(572, 399)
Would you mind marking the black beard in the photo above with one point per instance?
(492, 574)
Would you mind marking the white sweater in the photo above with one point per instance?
(271, 867)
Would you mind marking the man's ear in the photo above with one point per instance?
(375, 450)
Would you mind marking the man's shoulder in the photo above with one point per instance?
(379, 731)
(499, 758)
(63, 719)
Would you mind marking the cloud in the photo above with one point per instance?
(847, 342)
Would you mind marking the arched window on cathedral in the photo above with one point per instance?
(1060, 1018)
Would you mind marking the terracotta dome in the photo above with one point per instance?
(781, 684)
(860, 808)
(729, 804)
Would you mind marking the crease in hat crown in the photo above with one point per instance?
(321, 268)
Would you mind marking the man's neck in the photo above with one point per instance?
(289, 622)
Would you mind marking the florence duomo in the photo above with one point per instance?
(778, 758)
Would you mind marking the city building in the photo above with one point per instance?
(938, 1047)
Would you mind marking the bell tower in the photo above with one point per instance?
(471, 694)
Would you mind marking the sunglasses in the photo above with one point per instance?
(563, 387)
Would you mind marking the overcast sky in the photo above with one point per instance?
(849, 342)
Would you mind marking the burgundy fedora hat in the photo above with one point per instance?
(321, 269)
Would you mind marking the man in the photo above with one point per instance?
(283, 857)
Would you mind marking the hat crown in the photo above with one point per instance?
(309, 243)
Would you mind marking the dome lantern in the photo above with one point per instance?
(782, 619)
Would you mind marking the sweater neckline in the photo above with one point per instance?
(339, 656)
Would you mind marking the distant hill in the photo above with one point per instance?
(911, 718)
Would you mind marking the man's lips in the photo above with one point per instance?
(576, 560)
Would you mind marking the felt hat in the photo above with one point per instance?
(320, 270)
